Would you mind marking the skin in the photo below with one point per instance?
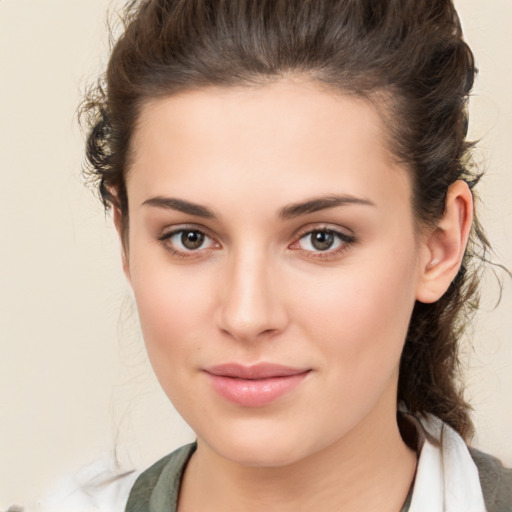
(258, 290)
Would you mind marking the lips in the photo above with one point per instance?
(257, 385)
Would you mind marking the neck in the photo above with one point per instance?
(369, 469)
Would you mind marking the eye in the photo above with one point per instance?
(320, 241)
(323, 242)
(186, 240)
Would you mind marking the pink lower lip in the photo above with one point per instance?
(255, 392)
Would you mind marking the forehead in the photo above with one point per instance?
(290, 136)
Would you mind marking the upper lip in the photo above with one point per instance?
(253, 372)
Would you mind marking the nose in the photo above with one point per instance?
(251, 306)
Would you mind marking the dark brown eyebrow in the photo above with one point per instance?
(180, 205)
(288, 212)
(320, 203)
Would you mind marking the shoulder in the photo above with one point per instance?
(160, 483)
(98, 487)
(496, 481)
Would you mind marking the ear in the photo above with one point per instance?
(120, 223)
(444, 246)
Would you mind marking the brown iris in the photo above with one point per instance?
(322, 240)
(192, 239)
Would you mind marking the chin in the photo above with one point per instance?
(259, 454)
(261, 444)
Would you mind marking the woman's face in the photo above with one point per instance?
(273, 258)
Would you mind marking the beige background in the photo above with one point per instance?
(73, 375)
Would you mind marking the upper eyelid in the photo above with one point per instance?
(345, 232)
(299, 232)
(172, 230)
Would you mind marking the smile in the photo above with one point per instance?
(254, 386)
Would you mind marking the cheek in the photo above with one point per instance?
(359, 314)
(173, 309)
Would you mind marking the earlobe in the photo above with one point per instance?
(119, 223)
(444, 246)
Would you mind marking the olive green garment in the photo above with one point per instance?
(157, 489)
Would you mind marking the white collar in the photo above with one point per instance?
(446, 477)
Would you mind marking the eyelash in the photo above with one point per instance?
(165, 238)
(345, 242)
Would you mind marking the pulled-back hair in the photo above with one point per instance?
(407, 57)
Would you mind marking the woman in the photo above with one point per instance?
(292, 187)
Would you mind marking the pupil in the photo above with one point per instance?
(192, 239)
(322, 240)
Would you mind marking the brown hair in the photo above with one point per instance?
(407, 56)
